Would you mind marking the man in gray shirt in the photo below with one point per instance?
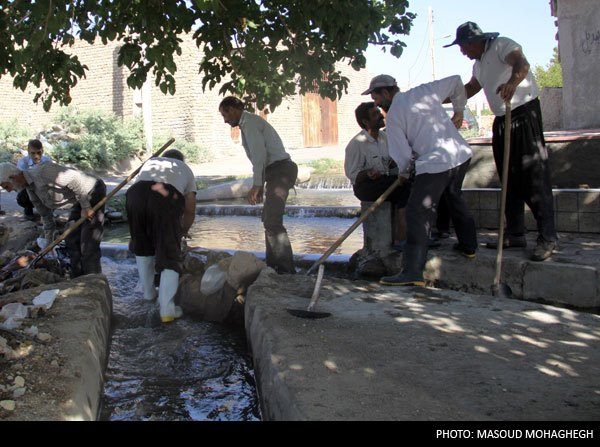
(274, 173)
(52, 186)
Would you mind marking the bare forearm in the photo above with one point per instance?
(187, 221)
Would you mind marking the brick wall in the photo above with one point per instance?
(189, 114)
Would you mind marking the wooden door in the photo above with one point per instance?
(319, 121)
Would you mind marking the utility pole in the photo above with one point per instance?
(431, 42)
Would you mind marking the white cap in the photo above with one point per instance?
(380, 81)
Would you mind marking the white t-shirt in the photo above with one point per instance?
(417, 123)
(168, 170)
(492, 71)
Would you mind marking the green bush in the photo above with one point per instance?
(12, 138)
(104, 139)
(326, 166)
(193, 153)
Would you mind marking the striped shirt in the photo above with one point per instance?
(52, 186)
(262, 144)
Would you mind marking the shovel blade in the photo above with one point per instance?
(502, 290)
(301, 313)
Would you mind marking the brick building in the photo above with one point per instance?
(191, 114)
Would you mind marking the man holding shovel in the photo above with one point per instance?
(52, 186)
(274, 173)
(418, 124)
(503, 72)
(161, 207)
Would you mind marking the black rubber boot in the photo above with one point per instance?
(414, 258)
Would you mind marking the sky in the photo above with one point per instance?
(528, 22)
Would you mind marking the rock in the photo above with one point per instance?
(19, 382)
(4, 234)
(54, 364)
(213, 279)
(213, 307)
(214, 257)
(32, 331)
(57, 128)
(8, 405)
(18, 392)
(46, 298)
(36, 312)
(16, 311)
(304, 173)
(243, 270)
(194, 263)
(43, 336)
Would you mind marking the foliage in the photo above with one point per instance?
(118, 203)
(551, 76)
(326, 166)
(262, 48)
(12, 138)
(193, 153)
(103, 139)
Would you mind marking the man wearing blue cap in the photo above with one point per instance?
(503, 72)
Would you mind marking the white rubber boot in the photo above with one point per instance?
(145, 266)
(169, 282)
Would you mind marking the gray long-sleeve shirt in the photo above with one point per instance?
(262, 144)
(53, 186)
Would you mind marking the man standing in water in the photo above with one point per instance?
(274, 173)
(161, 207)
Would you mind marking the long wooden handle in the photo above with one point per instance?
(505, 164)
(349, 231)
(96, 207)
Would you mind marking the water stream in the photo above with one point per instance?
(187, 370)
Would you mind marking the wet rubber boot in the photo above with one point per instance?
(145, 266)
(279, 254)
(414, 258)
(169, 282)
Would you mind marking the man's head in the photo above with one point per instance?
(35, 151)
(368, 116)
(11, 178)
(382, 89)
(231, 109)
(174, 153)
(471, 40)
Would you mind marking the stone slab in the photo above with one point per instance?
(418, 354)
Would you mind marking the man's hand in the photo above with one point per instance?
(255, 195)
(506, 91)
(373, 174)
(88, 213)
(457, 119)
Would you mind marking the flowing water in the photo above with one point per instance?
(186, 370)
(307, 234)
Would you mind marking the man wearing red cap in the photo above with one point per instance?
(503, 72)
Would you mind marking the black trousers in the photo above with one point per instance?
(83, 245)
(529, 172)
(370, 190)
(154, 212)
(421, 209)
(280, 176)
(25, 202)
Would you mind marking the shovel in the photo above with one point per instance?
(310, 312)
(99, 205)
(502, 289)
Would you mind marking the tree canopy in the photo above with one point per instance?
(551, 76)
(264, 49)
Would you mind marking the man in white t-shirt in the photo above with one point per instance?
(503, 72)
(161, 206)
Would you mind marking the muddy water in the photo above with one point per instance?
(307, 235)
(186, 370)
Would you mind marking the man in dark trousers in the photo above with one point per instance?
(274, 173)
(372, 171)
(161, 207)
(503, 72)
(52, 186)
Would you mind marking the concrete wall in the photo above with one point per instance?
(579, 40)
(551, 101)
